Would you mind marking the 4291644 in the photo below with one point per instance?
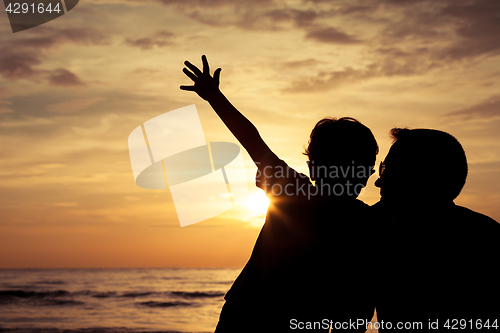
(24, 8)
(471, 324)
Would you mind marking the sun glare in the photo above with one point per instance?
(257, 203)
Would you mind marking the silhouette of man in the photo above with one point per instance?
(437, 262)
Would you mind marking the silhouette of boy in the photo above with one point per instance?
(307, 267)
(437, 261)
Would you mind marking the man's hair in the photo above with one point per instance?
(341, 141)
(434, 157)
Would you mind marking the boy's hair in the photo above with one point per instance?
(342, 141)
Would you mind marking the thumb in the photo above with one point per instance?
(217, 75)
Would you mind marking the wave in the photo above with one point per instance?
(139, 294)
(63, 297)
(38, 298)
(153, 304)
(197, 294)
(66, 302)
(19, 293)
(21, 286)
(185, 294)
(52, 282)
(102, 294)
(80, 330)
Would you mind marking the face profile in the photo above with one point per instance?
(424, 165)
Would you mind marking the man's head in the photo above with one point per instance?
(423, 164)
(340, 151)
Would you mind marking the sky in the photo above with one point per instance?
(73, 89)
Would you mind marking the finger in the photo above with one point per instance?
(206, 69)
(189, 74)
(188, 88)
(192, 67)
(217, 75)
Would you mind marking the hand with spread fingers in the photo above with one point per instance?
(205, 85)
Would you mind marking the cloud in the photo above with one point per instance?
(490, 108)
(256, 15)
(5, 109)
(300, 18)
(478, 30)
(410, 38)
(356, 9)
(4, 103)
(20, 65)
(455, 30)
(73, 105)
(50, 37)
(331, 35)
(328, 80)
(385, 66)
(64, 78)
(423, 34)
(244, 14)
(18, 60)
(300, 63)
(214, 3)
(17, 65)
(159, 39)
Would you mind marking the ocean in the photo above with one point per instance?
(112, 300)
(125, 300)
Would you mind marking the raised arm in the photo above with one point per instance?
(207, 87)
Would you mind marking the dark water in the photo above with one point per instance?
(112, 300)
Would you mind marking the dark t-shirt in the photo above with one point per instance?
(309, 260)
(437, 265)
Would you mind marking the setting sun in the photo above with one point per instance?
(257, 202)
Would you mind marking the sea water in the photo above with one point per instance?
(112, 300)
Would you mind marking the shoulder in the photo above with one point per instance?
(476, 218)
(272, 166)
(275, 177)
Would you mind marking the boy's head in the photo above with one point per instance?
(341, 152)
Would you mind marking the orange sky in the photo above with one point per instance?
(73, 89)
